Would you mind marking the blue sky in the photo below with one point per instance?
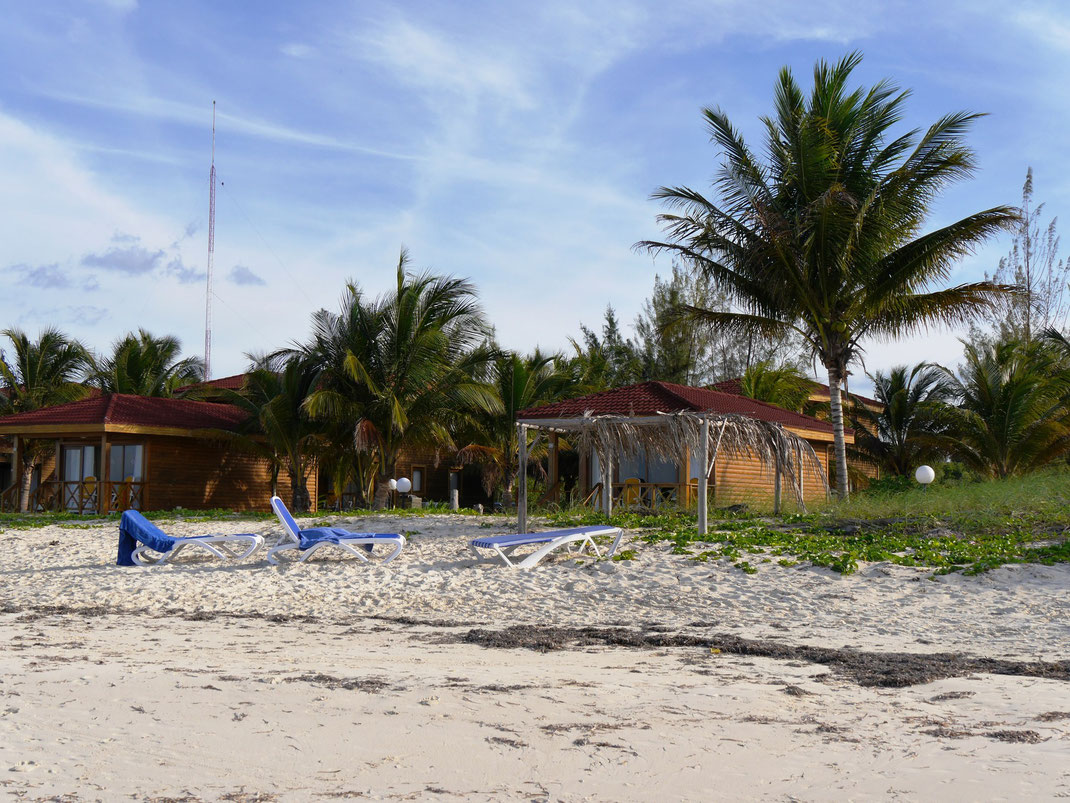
(514, 143)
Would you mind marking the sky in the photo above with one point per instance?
(513, 143)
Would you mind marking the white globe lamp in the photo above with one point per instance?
(393, 485)
(925, 475)
(404, 486)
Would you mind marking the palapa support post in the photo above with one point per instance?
(703, 477)
(522, 480)
(776, 484)
(607, 485)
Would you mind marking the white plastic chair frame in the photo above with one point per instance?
(292, 540)
(218, 545)
(585, 539)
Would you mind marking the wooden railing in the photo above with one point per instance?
(86, 497)
(647, 496)
(9, 499)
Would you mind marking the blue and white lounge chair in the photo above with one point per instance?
(138, 536)
(506, 545)
(308, 541)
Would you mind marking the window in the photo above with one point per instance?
(126, 462)
(417, 479)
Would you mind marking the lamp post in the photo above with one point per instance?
(925, 475)
(404, 486)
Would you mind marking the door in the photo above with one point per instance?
(80, 486)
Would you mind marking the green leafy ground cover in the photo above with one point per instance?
(955, 526)
(968, 527)
(26, 521)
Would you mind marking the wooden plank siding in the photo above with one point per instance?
(203, 474)
(745, 479)
(436, 466)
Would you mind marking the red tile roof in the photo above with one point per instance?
(119, 408)
(651, 398)
(234, 382)
(735, 387)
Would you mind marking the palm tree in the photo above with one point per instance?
(913, 423)
(823, 236)
(518, 382)
(279, 429)
(1012, 417)
(146, 365)
(783, 385)
(400, 369)
(40, 374)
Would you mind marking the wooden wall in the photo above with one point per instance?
(746, 479)
(203, 474)
(436, 477)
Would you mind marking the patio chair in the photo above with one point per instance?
(139, 536)
(551, 540)
(308, 541)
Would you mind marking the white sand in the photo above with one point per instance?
(160, 706)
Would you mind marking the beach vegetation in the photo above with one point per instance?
(39, 373)
(401, 370)
(144, 364)
(824, 236)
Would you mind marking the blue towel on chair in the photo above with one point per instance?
(134, 529)
(335, 535)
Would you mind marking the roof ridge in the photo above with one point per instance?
(109, 407)
(667, 387)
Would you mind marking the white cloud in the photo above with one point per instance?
(240, 274)
(429, 60)
(200, 116)
(298, 50)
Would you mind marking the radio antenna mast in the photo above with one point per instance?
(211, 261)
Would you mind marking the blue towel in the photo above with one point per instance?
(134, 529)
(334, 535)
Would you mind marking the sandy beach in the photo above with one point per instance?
(437, 677)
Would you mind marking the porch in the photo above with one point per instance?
(86, 496)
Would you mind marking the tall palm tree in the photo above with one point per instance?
(824, 235)
(914, 421)
(1012, 417)
(401, 368)
(279, 428)
(145, 365)
(518, 382)
(39, 374)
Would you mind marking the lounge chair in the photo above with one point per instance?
(138, 536)
(308, 541)
(506, 545)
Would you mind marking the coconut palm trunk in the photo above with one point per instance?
(839, 444)
(382, 492)
(25, 485)
(300, 499)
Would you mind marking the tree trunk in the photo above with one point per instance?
(300, 501)
(839, 445)
(24, 490)
(382, 492)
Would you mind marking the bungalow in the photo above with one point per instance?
(637, 476)
(115, 451)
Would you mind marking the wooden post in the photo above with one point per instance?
(776, 486)
(104, 476)
(607, 484)
(703, 477)
(554, 468)
(16, 464)
(522, 480)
